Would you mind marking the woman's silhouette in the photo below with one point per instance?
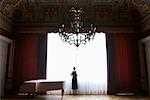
(74, 81)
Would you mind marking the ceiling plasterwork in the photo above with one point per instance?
(56, 11)
(143, 6)
(10, 6)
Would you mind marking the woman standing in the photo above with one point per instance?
(74, 81)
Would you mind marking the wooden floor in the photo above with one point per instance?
(79, 97)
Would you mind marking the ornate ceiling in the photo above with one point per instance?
(54, 12)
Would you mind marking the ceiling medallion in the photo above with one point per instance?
(75, 34)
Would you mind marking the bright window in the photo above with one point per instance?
(90, 61)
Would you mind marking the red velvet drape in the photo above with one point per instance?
(29, 53)
(124, 75)
(26, 56)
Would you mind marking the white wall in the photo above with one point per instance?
(3, 60)
(146, 41)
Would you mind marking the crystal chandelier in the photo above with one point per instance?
(76, 34)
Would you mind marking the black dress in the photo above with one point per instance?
(74, 80)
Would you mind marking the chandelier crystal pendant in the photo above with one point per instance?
(76, 34)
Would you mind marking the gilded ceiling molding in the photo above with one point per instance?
(127, 3)
(145, 23)
(5, 23)
(142, 5)
(10, 6)
(35, 30)
(43, 30)
(117, 30)
(145, 19)
(144, 8)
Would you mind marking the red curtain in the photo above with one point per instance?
(30, 58)
(123, 69)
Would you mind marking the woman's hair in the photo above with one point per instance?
(74, 68)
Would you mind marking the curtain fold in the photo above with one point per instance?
(123, 69)
(42, 55)
(30, 58)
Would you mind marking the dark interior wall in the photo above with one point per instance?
(123, 64)
(30, 58)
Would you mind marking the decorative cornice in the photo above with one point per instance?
(117, 30)
(35, 30)
(111, 30)
(6, 18)
(5, 39)
(145, 39)
(10, 6)
(6, 23)
(145, 18)
(142, 6)
(145, 24)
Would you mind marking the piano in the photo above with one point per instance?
(36, 86)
